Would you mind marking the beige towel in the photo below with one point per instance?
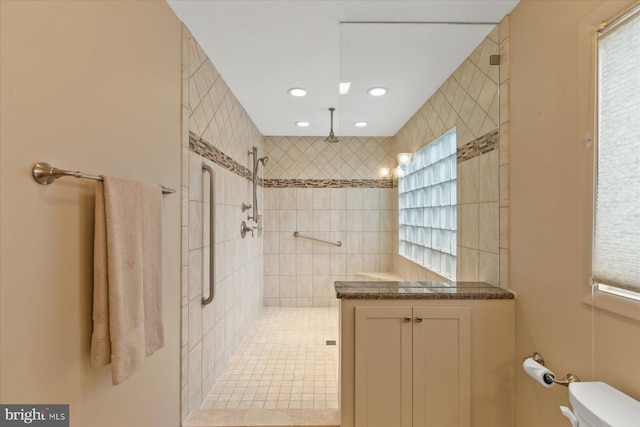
(127, 296)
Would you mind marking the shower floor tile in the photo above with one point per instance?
(284, 362)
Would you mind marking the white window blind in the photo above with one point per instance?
(616, 253)
(427, 206)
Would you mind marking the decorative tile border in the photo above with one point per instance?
(479, 146)
(330, 183)
(208, 151)
(482, 145)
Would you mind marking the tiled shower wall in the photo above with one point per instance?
(471, 101)
(218, 131)
(333, 192)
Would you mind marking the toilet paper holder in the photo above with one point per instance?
(550, 378)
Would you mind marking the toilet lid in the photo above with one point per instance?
(603, 406)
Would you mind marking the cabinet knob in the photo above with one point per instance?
(419, 319)
(407, 319)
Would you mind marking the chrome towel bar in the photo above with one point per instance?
(46, 174)
(338, 243)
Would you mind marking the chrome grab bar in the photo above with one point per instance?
(212, 242)
(46, 174)
(338, 243)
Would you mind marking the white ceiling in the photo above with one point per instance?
(262, 48)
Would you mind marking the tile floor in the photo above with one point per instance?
(283, 362)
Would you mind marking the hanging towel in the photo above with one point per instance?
(127, 295)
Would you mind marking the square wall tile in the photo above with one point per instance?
(489, 268)
(287, 266)
(488, 238)
(468, 223)
(288, 286)
(304, 198)
(468, 181)
(467, 264)
(488, 177)
(288, 198)
(271, 198)
(354, 198)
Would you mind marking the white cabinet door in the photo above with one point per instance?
(412, 367)
(441, 367)
(383, 359)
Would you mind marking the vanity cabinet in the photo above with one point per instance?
(412, 366)
(416, 357)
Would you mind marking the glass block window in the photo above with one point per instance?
(427, 206)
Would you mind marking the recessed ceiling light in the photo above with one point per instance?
(297, 91)
(344, 88)
(360, 124)
(303, 124)
(377, 91)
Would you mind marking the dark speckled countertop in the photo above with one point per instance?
(420, 290)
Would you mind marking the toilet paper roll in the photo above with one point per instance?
(538, 372)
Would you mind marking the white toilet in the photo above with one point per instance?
(596, 404)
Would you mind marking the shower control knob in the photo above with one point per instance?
(244, 230)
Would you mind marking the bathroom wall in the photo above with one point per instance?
(90, 86)
(552, 68)
(333, 192)
(218, 131)
(469, 100)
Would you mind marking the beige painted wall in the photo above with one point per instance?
(93, 86)
(551, 192)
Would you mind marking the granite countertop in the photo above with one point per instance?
(419, 290)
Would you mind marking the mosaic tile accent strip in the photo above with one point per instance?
(478, 147)
(329, 183)
(208, 151)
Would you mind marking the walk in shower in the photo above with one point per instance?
(268, 346)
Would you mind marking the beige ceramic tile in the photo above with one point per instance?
(505, 143)
(467, 264)
(504, 269)
(468, 181)
(504, 186)
(488, 237)
(505, 45)
(504, 102)
(489, 268)
(468, 225)
(268, 366)
(488, 177)
(504, 228)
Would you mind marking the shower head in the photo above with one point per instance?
(331, 139)
(264, 160)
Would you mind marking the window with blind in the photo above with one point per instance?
(616, 251)
(427, 206)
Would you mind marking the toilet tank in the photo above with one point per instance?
(597, 404)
